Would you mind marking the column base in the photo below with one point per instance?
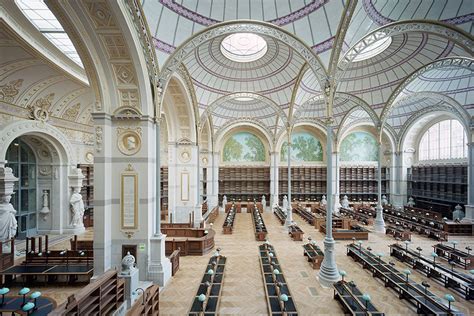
(469, 214)
(159, 266)
(379, 223)
(328, 274)
(197, 215)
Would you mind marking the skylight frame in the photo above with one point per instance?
(38, 13)
(234, 48)
(373, 49)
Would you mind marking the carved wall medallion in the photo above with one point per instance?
(44, 170)
(204, 161)
(89, 157)
(184, 155)
(129, 140)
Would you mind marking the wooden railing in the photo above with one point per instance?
(102, 297)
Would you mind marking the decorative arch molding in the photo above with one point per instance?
(294, 93)
(189, 87)
(446, 31)
(230, 27)
(35, 89)
(210, 109)
(343, 127)
(231, 125)
(23, 127)
(310, 102)
(463, 62)
(360, 103)
(447, 108)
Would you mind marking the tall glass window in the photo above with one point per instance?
(22, 160)
(443, 140)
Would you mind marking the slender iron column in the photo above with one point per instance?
(329, 272)
(289, 213)
(379, 224)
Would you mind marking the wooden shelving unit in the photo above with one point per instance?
(360, 183)
(244, 183)
(164, 189)
(438, 187)
(87, 193)
(307, 183)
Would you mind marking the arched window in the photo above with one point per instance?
(443, 140)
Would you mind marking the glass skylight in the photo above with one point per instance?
(373, 49)
(243, 99)
(243, 47)
(45, 21)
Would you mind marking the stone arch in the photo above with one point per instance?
(44, 130)
(445, 62)
(174, 61)
(446, 31)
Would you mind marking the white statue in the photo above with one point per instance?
(45, 210)
(77, 208)
(264, 201)
(285, 202)
(345, 202)
(8, 223)
(323, 200)
(224, 201)
(411, 202)
(458, 212)
(384, 200)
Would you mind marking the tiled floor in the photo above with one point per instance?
(243, 292)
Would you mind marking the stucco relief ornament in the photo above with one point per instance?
(40, 109)
(10, 90)
(129, 140)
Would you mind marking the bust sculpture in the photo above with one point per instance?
(345, 202)
(323, 200)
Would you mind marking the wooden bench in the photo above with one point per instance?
(398, 232)
(211, 286)
(305, 214)
(275, 284)
(351, 299)
(314, 254)
(295, 232)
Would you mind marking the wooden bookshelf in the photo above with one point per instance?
(307, 183)
(244, 183)
(438, 186)
(360, 183)
(164, 189)
(87, 192)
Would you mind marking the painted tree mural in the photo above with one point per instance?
(304, 147)
(244, 147)
(359, 146)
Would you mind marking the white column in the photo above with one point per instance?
(329, 272)
(8, 223)
(379, 223)
(470, 184)
(198, 206)
(274, 160)
(289, 211)
(159, 267)
(102, 194)
(399, 198)
(215, 177)
(335, 182)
